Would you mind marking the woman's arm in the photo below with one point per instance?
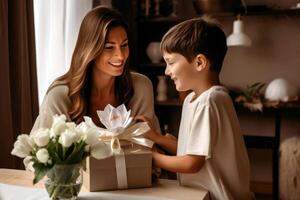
(142, 102)
(181, 164)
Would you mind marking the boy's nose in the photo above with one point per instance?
(167, 71)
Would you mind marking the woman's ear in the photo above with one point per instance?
(201, 62)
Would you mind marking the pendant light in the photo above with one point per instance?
(238, 37)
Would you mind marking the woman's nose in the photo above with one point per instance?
(119, 53)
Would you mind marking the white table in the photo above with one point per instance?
(19, 182)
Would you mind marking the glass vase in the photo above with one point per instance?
(64, 182)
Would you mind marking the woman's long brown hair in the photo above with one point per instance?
(90, 44)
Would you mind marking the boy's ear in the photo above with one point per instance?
(201, 62)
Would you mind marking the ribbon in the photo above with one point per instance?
(132, 134)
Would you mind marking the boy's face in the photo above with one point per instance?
(180, 70)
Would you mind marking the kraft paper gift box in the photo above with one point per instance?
(102, 174)
(124, 159)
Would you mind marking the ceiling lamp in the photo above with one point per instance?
(238, 37)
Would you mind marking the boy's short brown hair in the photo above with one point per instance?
(197, 36)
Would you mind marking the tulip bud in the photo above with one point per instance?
(41, 137)
(42, 155)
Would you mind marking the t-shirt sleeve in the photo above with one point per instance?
(203, 130)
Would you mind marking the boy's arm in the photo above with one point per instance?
(181, 164)
(168, 142)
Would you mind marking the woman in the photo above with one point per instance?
(98, 75)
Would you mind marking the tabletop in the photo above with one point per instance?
(162, 189)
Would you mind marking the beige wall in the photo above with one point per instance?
(275, 52)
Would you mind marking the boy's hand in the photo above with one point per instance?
(151, 134)
(172, 137)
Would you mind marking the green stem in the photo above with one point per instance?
(64, 153)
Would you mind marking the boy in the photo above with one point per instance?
(210, 152)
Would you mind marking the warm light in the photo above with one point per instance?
(238, 37)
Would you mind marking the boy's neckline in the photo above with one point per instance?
(196, 96)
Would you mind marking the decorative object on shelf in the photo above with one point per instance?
(252, 97)
(147, 7)
(64, 181)
(53, 152)
(174, 8)
(214, 6)
(280, 90)
(297, 6)
(162, 89)
(238, 37)
(153, 52)
(156, 8)
(166, 7)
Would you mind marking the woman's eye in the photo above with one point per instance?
(108, 47)
(124, 45)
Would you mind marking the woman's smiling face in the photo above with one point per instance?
(113, 58)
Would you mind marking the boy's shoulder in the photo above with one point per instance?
(216, 92)
(214, 96)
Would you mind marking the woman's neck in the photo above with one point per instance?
(102, 85)
(102, 94)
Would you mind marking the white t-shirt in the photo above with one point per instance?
(209, 127)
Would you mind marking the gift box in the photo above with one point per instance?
(103, 174)
(123, 155)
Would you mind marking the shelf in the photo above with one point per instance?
(262, 12)
(260, 142)
(156, 65)
(171, 102)
(160, 19)
(250, 12)
(293, 107)
(290, 106)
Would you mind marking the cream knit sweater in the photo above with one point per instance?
(57, 101)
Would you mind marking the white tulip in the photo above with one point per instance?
(68, 137)
(59, 125)
(23, 146)
(87, 148)
(42, 137)
(28, 163)
(71, 125)
(90, 134)
(42, 155)
(100, 150)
